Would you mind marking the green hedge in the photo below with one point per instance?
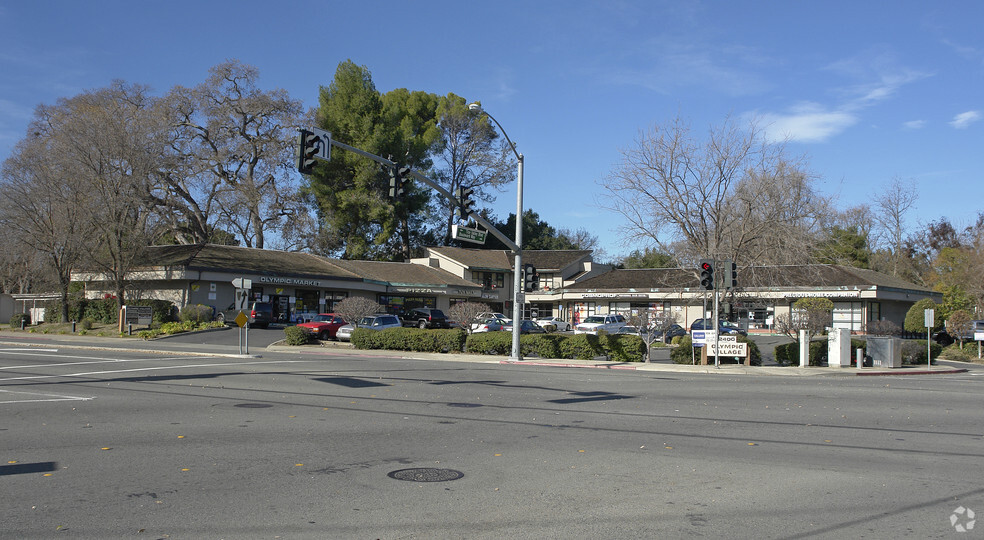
(617, 348)
(684, 355)
(410, 339)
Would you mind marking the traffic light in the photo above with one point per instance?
(465, 202)
(307, 149)
(707, 274)
(731, 276)
(398, 181)
(531, 281)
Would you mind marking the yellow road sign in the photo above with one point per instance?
(241, 319)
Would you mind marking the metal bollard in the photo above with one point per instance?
(859, 354)
(73, 327)
(129, 329)
(23, 321)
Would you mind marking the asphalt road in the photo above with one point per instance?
(109, 444)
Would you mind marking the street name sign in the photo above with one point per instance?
(468, 235)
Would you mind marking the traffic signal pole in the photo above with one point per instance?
(316, 144)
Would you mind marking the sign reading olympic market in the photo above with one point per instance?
(290, 281)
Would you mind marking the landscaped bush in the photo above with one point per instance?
(410, 339)
(914, 351)
(622, 347)
(497, 343)
(15, 320)
(583, 346)
(85, 324)
(295, 336)
(195, 313)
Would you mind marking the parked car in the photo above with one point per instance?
(673, 331)
(595, 323)
(494, 315)
(323, 326)
(944, 338)
(526, 327)
(424, 318)
(380, 321)
(488, 325)
(553, 324)
(260, 315)
(724, 327)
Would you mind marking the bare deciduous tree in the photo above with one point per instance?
(236, 142)
(466, 313)
(891, 210)
(729, 196)
(42, 210)
(354, 308)
(470, 153)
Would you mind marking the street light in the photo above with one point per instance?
(518, 266)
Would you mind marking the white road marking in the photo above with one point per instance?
(45, 397)
(159, 368)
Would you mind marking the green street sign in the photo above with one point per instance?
(469, 235)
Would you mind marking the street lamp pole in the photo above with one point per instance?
(518, 293)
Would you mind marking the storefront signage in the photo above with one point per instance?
(614, 295)
(290, 281)
(824, 294)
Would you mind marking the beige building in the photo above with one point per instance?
(301, 285)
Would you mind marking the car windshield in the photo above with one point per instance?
(322, 318)
(366, 321)
(594, 319)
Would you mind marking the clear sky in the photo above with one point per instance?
(866, 90)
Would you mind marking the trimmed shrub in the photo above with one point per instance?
(623, 348)
(581, 347)
(410, 339)
(15, 320)
(295, 336)
(497, 343)
(914, 351)
(195, 313)
(85, 325)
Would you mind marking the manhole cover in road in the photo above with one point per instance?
(426, 474)
(253, 405)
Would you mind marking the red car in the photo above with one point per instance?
(324, 325)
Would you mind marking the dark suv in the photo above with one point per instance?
(260, 315)
(424, 318)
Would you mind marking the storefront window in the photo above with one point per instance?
(393, 304)
(489, 280)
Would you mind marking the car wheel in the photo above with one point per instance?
(422, 324)
(323, 336)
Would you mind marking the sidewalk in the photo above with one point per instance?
(162, 346)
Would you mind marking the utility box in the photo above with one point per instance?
(885, 352)
(839, 347)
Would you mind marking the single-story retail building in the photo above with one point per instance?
(301, 285)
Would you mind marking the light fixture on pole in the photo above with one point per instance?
(518, 297)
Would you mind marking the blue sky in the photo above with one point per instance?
(866, 90)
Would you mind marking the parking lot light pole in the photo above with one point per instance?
(518, 267)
